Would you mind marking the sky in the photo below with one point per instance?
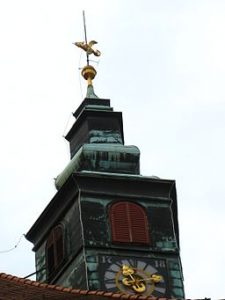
(163, 66)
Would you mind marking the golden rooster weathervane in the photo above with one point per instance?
(88, 72)
(88, 47)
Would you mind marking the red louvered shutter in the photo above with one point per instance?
(139, 224)
(58, 239)
(119, 222)
(129, 223)
(54, 249)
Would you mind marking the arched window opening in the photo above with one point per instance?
(129, 223)
(54, 250)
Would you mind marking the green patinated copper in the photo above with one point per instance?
(112, 158)
(90, 92)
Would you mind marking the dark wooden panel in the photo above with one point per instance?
(88, 103)
(94, 223)
(94, 120)
(74, 232)
(77, 140)
(160, 219)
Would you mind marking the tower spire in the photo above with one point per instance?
(88, 72)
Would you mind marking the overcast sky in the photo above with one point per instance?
(163, 65)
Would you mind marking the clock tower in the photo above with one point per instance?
(108, 227)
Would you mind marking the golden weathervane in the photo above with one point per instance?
(88, 72)
(88, 47)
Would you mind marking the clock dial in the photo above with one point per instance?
(134, 276)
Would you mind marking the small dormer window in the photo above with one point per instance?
(55, 250)
(129, 223)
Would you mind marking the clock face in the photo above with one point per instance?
(133, 275)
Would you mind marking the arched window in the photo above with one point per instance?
(129, 223)
(54, 250)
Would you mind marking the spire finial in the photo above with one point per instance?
(88, 72)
